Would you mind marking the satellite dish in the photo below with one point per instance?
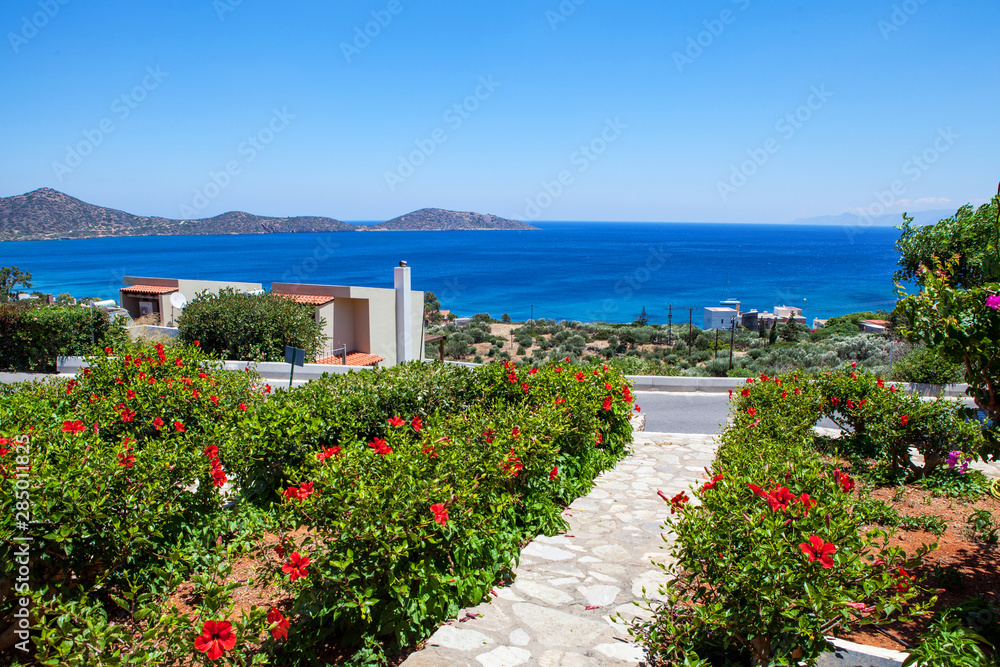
(177, 300)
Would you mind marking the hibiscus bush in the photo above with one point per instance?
(398, 496)
(116, 468)
(769, 557)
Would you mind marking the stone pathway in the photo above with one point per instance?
(560, 610)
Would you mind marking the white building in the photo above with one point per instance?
(719, 317)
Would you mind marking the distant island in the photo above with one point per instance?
(47, 214)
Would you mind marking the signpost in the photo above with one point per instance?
(295, 357)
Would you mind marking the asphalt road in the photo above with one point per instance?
(683, 412)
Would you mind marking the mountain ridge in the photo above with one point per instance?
(47, 214)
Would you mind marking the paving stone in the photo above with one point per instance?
(449, 636)
(547, 593)
(564, 659)
(547, 552)
(505, 656)
(558, 628)
(611, 552)
(621, 651)
(519, 637)
(600, 595)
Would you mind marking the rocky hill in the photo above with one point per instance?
(437, 219)
(47, 214)
(50, 214)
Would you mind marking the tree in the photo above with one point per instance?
(505, 318)
(432, 307)
(966, 234)
(790, 331)
(643, 319)
(10, 278)
(65, 299)
(773, 336)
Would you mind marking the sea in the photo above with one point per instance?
(585, 271)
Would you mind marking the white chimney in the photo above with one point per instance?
(404, 314)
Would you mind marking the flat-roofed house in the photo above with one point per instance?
(147, 296)
(719, 317)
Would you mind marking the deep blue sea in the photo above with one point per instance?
(569, 270)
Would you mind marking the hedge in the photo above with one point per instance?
(33, 336)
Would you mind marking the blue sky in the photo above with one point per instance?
(573, 110)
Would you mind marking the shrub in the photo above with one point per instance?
(927, 366)
(256, 327)
(33, 336)
(772, 559)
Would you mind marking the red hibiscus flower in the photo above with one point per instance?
(327, 453)
(600, 438)
(380, 447)
(296, 566)
(525, 387)
(751, 411)
(745, 392)
(757, 490)
(129, 394)
(807, 502)
(854, 376)
(558, 369)
(215, 639)
(844, 479)
(580, 377)
(108, 350)
(212, 451)
(267, 389)
(834, 400)
(817, 549)
(440, 514)
(553, 473)
(854, 364)
(417, 424)
(607, 403)
(243, 407)
(71, 385)
(203, 375)
(197, 343)
(880, 382)
(797, 391)
(512, 378)
(126, 459)
(710, 484)
(178, 362)
(730, 394)
(157, 423)
(279, 624)
(280, 550)
(488, 434)
(516, 431)
(903, 420)
(903, 579)
(128, 415)
(73, 426)
(780, 498)
(512, 464)
(195, 394)
(429, 450)
(179, 426)
(678, 501)
(784, 393)
(214, 399)
(560, 401)
(850, 404)
(532, 371)
(396, 420)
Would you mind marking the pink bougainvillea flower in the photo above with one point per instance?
(279, 624)
(440, 514)
(215, 639)
(396, 420)
(819, 550)
(553, 473)
(417, 424)
(296, 566)
(993, 301)
(380, 447)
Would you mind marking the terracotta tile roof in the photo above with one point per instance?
(148, 289)
(309, 299)
(353, 359)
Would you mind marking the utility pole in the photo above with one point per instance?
(670, 320)
(690, 315)
(732, 336)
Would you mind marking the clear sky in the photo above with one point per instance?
(721, 110)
